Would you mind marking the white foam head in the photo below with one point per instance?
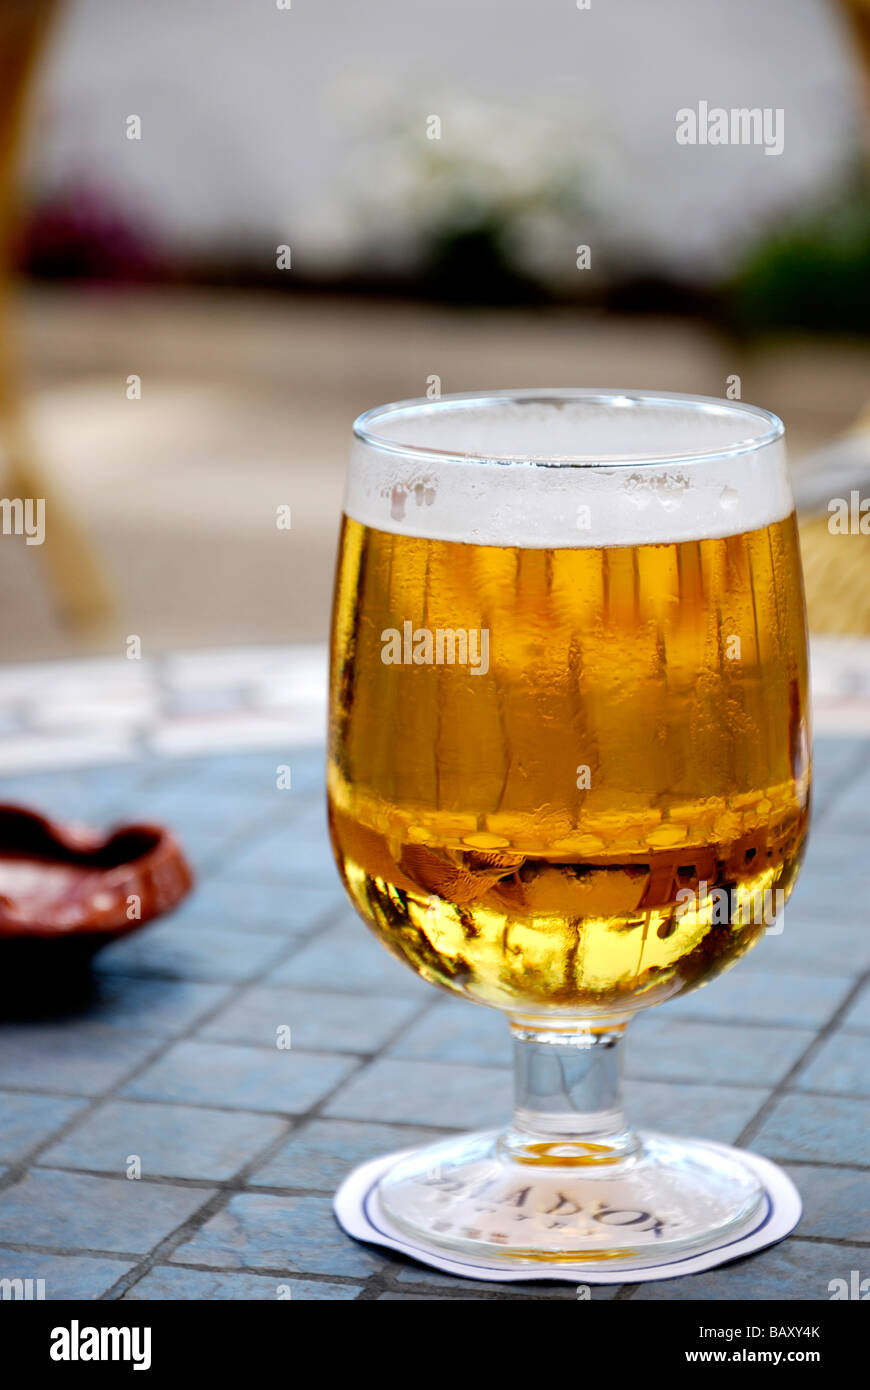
(568, 468)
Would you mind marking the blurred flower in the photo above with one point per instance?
(499, 189)
(82, 232)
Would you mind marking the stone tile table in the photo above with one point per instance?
(172, 1061)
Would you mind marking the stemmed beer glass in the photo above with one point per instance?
(569, 774)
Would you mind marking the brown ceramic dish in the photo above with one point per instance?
(67, 890)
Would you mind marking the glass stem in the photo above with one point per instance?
(567, 1089)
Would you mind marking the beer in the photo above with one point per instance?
(568, 777)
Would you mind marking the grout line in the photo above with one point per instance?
(830, 1240)
(844, 784)
(385, 1279)
(192, 1224)
(18, 1169)
(262, 1271)
(70, 1251)
(220, 1198)
(752, 1128)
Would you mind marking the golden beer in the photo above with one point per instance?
(569, 777)
(521, 833)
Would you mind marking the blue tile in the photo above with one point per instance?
(69, 1210)
(411, 1276)
(841, 1066)
(426, 1093)
(210, 806)
(318, 1021)
(433, 1297)
(857, 1017)
(292, 1234)
(823, 942)
(310, 828)
(159, 1007)
(242, 770)
(276, 908)
(204, 846)
(840, 855)
(272, 907)
(823, 1129)
(834, 866)
(66, 1276)
(705, 1112)
(168, 1282)
(84, 1060)
(170, 1141)
(836, 763)
(661, 1049)
(312, 864)
(849, 810)
(99, 796)
(27, 1120)
(836, 1201)
(249, 772)
(193, 951)
(322, 1153)
(246, 1078)
(790, 1271)
(829, 892)
(308, 770)
(347, 957)
(287, 856)
(455, 1031)
(765, 996)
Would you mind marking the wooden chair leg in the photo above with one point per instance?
(74, 573)
(75, 577)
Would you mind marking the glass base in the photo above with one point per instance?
(563, 1203)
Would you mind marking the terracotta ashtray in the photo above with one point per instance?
(66, 890)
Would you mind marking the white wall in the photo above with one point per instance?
(252, 115)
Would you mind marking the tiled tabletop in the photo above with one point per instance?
(174, 1059)
(118, 710)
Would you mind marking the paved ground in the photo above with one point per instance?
(247, 403)
(242, 1144)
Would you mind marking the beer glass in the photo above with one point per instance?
(569, 774)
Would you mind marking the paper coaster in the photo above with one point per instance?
(358, 1211)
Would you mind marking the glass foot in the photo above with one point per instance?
(565, 1203)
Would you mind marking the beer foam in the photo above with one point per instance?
(561, 469)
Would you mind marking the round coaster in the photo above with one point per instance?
(358, 1212)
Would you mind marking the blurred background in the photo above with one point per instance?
(228, 229)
